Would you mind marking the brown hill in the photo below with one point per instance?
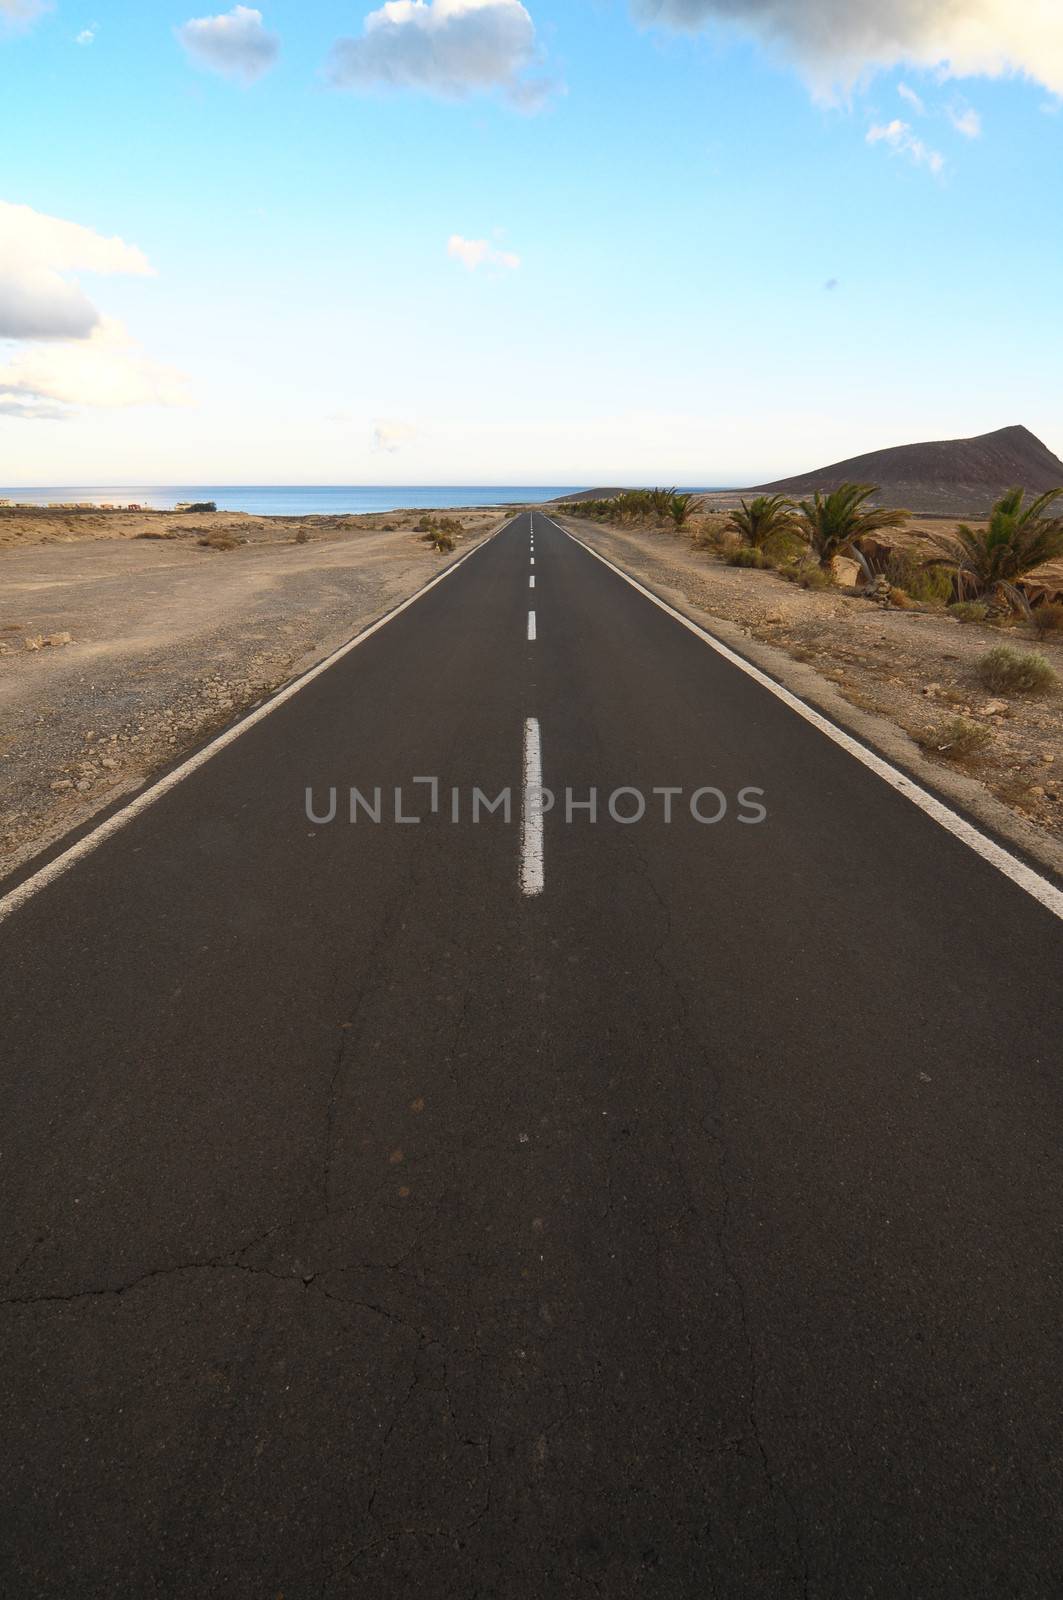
(953, 477)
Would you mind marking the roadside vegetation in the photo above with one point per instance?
(442, 533)
(990, 715)
(1009, 671)
(976, 575)
(958, 740)
(832, 523)
(763, 522)
(988, 564)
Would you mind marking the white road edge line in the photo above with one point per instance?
(91, 842)
(532, 859)
(532, 632)
(1039, 888)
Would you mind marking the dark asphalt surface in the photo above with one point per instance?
(692, 1230)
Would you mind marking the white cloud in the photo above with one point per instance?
(899, 136)
(28, 408)
(36, 300)
(107, 369)
(391, 435)
(967, 122)
(451, 48)
(17, 13)
(237, 44)
(473, 253)
(66, 353)
(914, 100)
(86, 36)
(837, 41)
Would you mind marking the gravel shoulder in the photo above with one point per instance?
(119, 654)
(895, 678)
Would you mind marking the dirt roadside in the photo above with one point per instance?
(118, 654)
(894, 678)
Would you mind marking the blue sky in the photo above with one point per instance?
(571, 244)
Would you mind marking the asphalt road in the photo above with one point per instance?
(445, 1210)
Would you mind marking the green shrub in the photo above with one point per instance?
(1016, 671)
(929, 585)
(958, 739)
(440, 539)
(786, 549)
(969, 611)
(712, 533)
(808, 575)
(747, 555)
(1047, 619)
(442, 533)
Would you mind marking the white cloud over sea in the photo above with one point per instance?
(450, 48)
(236, 44)
(65, 353)
(837, 42)
(38, 298)
(108, 369)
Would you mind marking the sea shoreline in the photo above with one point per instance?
(280, 500)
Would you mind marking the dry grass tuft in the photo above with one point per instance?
(1008, 671)
(958, 740)
(969, 611)
(1047, 619)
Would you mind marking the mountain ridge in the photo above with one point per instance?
(943, 476)
(939, 478)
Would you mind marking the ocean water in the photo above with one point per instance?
(326, 500)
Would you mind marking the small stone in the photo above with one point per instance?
(995, 708)
(61, 785)
(1038, 789)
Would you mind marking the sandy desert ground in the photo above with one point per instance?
(118, 652)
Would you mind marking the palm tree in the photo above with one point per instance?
(680, 507)
(831, 522)
(990, 561)
(758, 521)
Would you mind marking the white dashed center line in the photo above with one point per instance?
(531, 581)
(532, 864)
(531, 625)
